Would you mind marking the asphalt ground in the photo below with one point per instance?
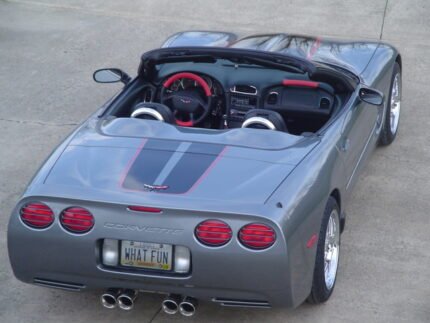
(48, 51)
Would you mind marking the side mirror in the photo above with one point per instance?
(111, 75)
(371, 96)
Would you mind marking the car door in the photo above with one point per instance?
(359, 126)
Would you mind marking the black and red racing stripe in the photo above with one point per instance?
(171, 167)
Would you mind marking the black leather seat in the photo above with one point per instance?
(264, 119)
(153, 111)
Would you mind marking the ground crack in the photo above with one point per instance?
(42, 123)
(383, 20)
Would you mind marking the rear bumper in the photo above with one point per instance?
(56, 258)
(221, 294)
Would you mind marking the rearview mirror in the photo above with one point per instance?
(371, 96)
(110, 75)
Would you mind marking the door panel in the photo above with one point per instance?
(358, 126)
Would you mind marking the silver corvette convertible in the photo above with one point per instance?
(219, 173)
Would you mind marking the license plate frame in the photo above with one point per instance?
(146, 255)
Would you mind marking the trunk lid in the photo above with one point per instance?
(241, 166)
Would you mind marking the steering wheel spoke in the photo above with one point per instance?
(201, 102)
(168, 97)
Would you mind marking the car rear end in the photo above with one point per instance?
(233, 259)
(114, 208)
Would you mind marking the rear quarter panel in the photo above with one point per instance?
(303, 196)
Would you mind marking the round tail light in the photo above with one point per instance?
(213, 233)
(77, 220)
(257, 236)
(37, 215)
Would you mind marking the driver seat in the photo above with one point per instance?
(264, 119)
(153, 111)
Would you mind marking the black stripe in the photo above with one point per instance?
(191, 167)
(154, 157)
(149, 163)
(158, 144)
(208, 149)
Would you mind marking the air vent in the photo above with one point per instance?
(59, 285)
(325, 103)
(241, 303)
(272, 98)
(243, 101)
(244, 89)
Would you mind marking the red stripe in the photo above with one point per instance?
(301, 83)
(208, 170)
(190, 76)
(130, 163)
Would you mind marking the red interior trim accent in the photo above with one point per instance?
(144, 209)
(190, 76)
(311, 241)
(184, 123)
(301, 83)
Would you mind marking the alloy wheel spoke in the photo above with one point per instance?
(331, 250)
(395, 104)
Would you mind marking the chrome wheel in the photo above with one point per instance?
(395, 103)
(331, 249)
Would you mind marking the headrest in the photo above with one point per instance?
(264, 119)
(153, 111)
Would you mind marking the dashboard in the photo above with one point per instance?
(235, 90)
(187, 84)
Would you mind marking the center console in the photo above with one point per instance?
(241, 99)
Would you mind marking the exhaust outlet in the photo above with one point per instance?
(126, 299)
(109, 298)
(188, 306)
(170, 304)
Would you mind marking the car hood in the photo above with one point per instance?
(156, 163)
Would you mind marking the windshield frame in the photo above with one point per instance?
(289, 63)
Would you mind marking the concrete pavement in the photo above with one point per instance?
(48, 51)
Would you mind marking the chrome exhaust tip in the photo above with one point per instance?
(126, 299)
(109, 298)
(170, 304)
(188, 306)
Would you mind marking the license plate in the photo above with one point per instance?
(146, 255)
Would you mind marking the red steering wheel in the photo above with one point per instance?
(187, 102)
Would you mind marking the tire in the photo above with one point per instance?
(390, 127)
(324, 281)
